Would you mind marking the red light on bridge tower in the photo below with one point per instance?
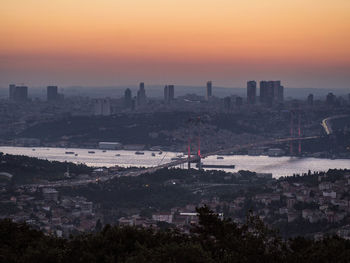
(199, 147)
(196, 122)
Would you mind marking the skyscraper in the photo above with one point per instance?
(251, 92)
(52, 94)
(280, 93)
(141, 94)
(169, 93)
(263, 91)
(209, 90)
(12, 91)
(128, 98)
(166, 93)
(21, 93)
(271, 92)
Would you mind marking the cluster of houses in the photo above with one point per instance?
(44, 209)
(325, 203)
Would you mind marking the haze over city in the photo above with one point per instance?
(111, 43)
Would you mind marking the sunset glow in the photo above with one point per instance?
(119, 42)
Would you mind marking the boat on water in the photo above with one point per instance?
(70, 153)
(91, 152)
(139, 153)
(220, 157)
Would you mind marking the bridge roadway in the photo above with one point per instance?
(72, 183)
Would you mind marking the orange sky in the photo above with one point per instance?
(115, 42)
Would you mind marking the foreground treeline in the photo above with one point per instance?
(213, 240)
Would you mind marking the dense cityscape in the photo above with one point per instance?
(317, 201)
(175, 131)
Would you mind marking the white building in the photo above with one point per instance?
(163, 217)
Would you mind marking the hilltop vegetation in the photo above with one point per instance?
(213, 240)
(29, 169)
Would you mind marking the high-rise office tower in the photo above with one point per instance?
(251, 92)
(141, 95)
(128, 98)
(280, 93)
(209, 90)
(21, 93)
(12, 92)
(271, 91)
(52, 94)
(166, 93)
(275, 89)
(263, 91)
(169, 93)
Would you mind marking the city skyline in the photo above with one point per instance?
(109, 43)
